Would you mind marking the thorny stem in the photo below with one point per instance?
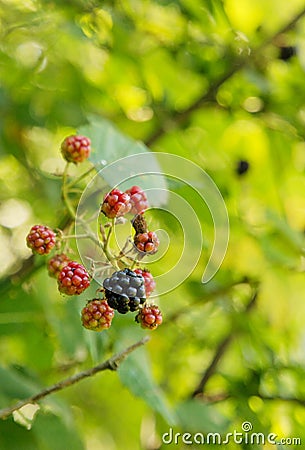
(112, 363)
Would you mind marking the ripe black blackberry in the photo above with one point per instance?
(125, 291)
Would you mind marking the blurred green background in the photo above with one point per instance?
(218, 82)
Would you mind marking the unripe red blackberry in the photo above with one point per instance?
(149, 317)
(147, 242)
(97, 315)
(124, 291)
(149, 281)
(116, 204)
(41, 239)
(138, 200)
(73, 279)
(56, 264)
(76, 148)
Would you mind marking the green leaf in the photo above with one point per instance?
(135, 374)
(195, 416)
(139, 165)
(15, 384)
(16, 437)
(53, 433)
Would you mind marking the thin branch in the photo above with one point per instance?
(222, 396)
(179, 118)
(110, 364)
(220, 351)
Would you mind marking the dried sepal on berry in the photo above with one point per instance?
(116, 204)
(73, 279)
(76, 149)
(149, 317)
(139, 224)
(41, 239)
(97, 315)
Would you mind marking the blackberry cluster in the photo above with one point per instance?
(125, 291)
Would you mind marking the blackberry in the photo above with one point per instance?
(147, 242)
(76, 148)
(138, 200)
(97, 315)
(41, 239)
(73, 279)
(125, 291)
(56, 264)
(149, 317)
(116, 204)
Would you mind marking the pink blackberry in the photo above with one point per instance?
(73, 279)
(149, 281)
(41, 239)
(138, 200)
(97, 315)
(149, 317)
(116, 204)
(76, 148)
(147, 242)
(56, 264)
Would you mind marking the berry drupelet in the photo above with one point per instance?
(73, 279)
(97, 315)
(76, 149)
(124, 291)
(116, 204)
(41, 239)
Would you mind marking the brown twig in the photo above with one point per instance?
(110, 364)
(220, 351)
